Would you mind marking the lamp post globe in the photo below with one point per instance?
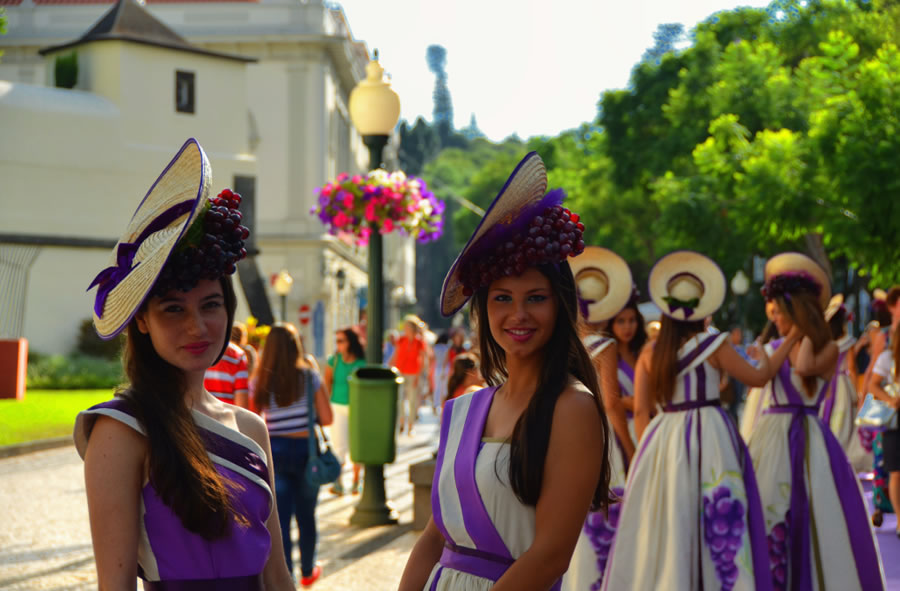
(374, 110)
(740, 283)
(282, 285)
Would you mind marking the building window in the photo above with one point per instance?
(184, 92)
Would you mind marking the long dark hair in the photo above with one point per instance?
(462, 365)
(354, 346)
(804, 310)
(838, 322)
(180, 469)
(640, 337)
(531, 435)
(279, 366)
(664, 362)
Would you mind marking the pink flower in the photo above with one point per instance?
(340, 220)
(357, 180)
(342, 177)
(348, 200)
(387, 226)
(370, 212)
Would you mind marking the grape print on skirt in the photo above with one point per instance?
(778, 543)
(601, 532)
(723, 529)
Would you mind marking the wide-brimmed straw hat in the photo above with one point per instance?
(687, 285)
(522, 198)
(837, 300)
(800, 267)
(604, 283)
(162, 217)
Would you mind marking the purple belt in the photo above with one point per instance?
(248, 583)
(476, 563)
(692, 404)
(791, 408)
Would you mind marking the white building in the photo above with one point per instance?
(268, 84)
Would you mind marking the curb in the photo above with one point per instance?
(18, 449)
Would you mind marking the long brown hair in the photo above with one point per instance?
(664, 362)
(805, 312)
(895, 350)
(277, 372)
(180, 469)
(566, 357)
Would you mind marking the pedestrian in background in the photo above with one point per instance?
(179, 484)
(409, 359)
(348, 357)
(283, 386)
(227, 379)
(442, 368)
(465, 378)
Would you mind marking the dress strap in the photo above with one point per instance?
(709, 345)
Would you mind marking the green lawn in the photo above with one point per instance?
(45, 413)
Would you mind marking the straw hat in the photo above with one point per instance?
(834, 305)
(687, 285)
(162, 217)
(525, 189)
(788, 263)
(604, 283)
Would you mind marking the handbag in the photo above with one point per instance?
(322, 466)
(876, 414)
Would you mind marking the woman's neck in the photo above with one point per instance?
(195, 393)
(624, 351)
(523, 376)
(348, 357)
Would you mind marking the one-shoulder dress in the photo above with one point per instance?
(171, 558)
(838, 410)
(485, 526)
(595, 540)
(692, 508)
(819, 534)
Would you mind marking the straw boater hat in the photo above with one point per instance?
(834, 305)
(510, 221)
(792, 271)
(687, 285)
(162, 217)
(604, 283)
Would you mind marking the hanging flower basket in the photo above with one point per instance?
(355, 206)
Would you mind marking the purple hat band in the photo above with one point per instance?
(110, 277)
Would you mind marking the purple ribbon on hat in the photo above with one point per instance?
(110, 277)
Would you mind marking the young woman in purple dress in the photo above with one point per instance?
(179, 485)
(521, 462)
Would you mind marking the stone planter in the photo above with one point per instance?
(421, 476)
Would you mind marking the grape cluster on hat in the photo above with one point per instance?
(524, 227)
(175, 238)
(794, 272)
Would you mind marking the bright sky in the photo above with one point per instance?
(533, 67)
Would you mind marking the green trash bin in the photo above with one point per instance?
(373, 414)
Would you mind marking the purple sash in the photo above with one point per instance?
(861, 543)
(828, 407)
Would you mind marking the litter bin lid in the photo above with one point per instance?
(375, 372)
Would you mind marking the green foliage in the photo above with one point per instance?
(58, 372)
(44, 414)
(2, 24)
(66, 70)
(90, 345)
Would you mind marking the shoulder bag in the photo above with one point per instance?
(322, 467)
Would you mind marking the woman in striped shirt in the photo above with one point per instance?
(280, 386)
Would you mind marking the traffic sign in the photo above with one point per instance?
(305, 314)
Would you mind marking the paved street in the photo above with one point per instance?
(45, 541)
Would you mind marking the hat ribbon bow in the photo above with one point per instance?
(109, 278)
(687, 305)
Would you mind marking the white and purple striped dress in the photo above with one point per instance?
(819, 534)
(170, 558)
(838, 410)
(592, 549)
(691, 518)
(485, 526)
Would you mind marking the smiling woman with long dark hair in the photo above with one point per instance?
(522, 461)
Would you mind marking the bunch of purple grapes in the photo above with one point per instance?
(601, 531)
(778, 543)
(211, 248)
(723, 529)
(550, 238)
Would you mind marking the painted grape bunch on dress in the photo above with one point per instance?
(601, 531)
(778, 541)
(723, 530)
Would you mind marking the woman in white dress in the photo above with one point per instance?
(838, 410)
(693, 515)
(607, 302)
(521, 462)
(754, 403)
(818, 532)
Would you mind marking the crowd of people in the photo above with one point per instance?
(580, 447)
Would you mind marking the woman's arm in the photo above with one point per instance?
(612, 402)
(821, 364)
(783, 350)
(878, 391)
(571, 472)
(113, 476)
(323, 407)
(730, 361)
(644, 403)
(329, 378)
(422, 559)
